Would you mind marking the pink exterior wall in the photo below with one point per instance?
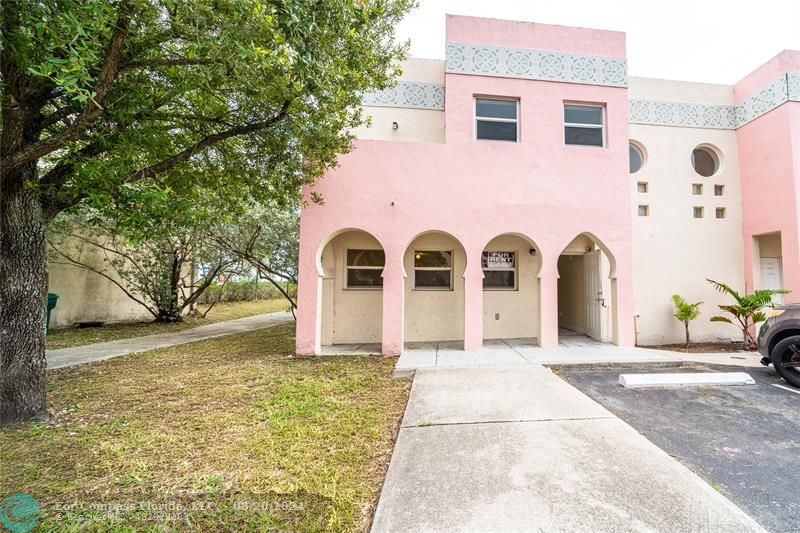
(476, 190)
(769, 160)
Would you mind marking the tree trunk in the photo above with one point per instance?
(686, 325)
(170, 309)
(23, 293)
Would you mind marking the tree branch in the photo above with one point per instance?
(93, 109)
(154, 63)
(210, 140)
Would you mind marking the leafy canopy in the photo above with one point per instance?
(229, 98)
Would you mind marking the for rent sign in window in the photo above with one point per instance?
(498, 260)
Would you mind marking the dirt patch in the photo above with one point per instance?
(701, 347)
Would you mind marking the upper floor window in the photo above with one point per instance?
(364, 268)
(496, 119)
(584, 124)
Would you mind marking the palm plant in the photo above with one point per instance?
(748, 309)
(685, 312)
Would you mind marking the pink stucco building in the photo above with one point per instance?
(526, 187)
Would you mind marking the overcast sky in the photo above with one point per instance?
(712, 41)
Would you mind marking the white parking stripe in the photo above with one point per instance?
(786, 388)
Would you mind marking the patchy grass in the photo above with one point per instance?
(226, 434)
(69, 337)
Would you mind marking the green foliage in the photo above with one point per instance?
(243, 98)
(747, 310)
(243, 291)
(267, 238)
(685, 312)
(123, 106)
(164, 264)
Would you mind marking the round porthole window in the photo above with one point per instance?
(636, 158)
(705, 161)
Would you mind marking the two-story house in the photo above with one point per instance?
(526, 187)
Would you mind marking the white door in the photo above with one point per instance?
(771, 276)
(594, 294)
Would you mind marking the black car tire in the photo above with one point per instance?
(780, 354)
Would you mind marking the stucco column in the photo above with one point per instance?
(790, 252)
(309, 312)
(548, 305)
(473, 303)
(622, 289)
(393, 303)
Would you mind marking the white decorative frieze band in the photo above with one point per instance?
(535, 65)
(682, 114)
(784, 89)
(418, 95)
(408, 94)
(793, 80)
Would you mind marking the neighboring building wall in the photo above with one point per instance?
(86, 296)
(673, 251)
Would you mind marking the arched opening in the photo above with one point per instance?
(351, 267)
(434, 263)
(511, 295)
(586, 293)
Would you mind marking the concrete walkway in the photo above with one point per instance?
(106, 350)
(578, 350)
(515, 448)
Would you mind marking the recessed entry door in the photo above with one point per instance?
(594, 294)
(772, 277)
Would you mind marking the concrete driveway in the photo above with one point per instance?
(517, 449)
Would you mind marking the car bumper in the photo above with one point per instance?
(763, 345)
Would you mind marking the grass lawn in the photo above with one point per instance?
(226, 434)
(68, 337)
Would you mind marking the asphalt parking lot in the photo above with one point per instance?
(743, 440)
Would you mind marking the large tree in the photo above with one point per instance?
(249, 97)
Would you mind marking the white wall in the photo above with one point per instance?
(415, 125)
(518, 309)
(349, 316)
(86, 296)
(673, 252)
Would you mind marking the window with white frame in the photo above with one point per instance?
(496, 119)
(364, 269)
(433, 270)
(499, 270)
(584, 125)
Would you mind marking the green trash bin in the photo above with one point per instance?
(52, 300)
